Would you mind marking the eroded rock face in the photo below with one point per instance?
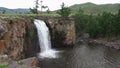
(12, 36)
(18, 37)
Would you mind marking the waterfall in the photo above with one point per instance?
(44, 40)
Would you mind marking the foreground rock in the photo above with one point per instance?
(25, 63)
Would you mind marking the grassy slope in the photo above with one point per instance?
(90, 8)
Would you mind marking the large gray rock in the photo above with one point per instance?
(25, 63)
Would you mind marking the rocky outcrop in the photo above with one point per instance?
(12, 36)
(18, 37)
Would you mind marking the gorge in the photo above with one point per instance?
(18, 35)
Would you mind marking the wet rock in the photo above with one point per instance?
(84, 38)
(25, 66)
(31, 43)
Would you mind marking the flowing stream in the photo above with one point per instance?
(44, 40)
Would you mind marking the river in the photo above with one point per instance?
(84, 56)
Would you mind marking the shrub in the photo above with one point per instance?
(64, 11)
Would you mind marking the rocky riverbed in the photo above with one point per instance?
(111, 42)
(107, 41)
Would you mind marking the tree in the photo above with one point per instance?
(36, 5)
(44, 7)
(48, 10)
(4, 11)
(64, 11)
(35, 9)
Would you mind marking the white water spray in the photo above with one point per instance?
(44, 40)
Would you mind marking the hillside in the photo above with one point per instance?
(12, 11)
(91, 8)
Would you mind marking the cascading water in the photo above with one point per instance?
(44, 40)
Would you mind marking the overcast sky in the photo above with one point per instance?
(53, 4)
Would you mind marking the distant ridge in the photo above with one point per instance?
(91, 8)
(13, 11)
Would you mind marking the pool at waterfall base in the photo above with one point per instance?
(84, 56)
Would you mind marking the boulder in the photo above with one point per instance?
(25, 63)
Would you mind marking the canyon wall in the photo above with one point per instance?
(18, 35)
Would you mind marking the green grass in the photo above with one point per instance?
(32, 15)
(91, 8)
(4, 65)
